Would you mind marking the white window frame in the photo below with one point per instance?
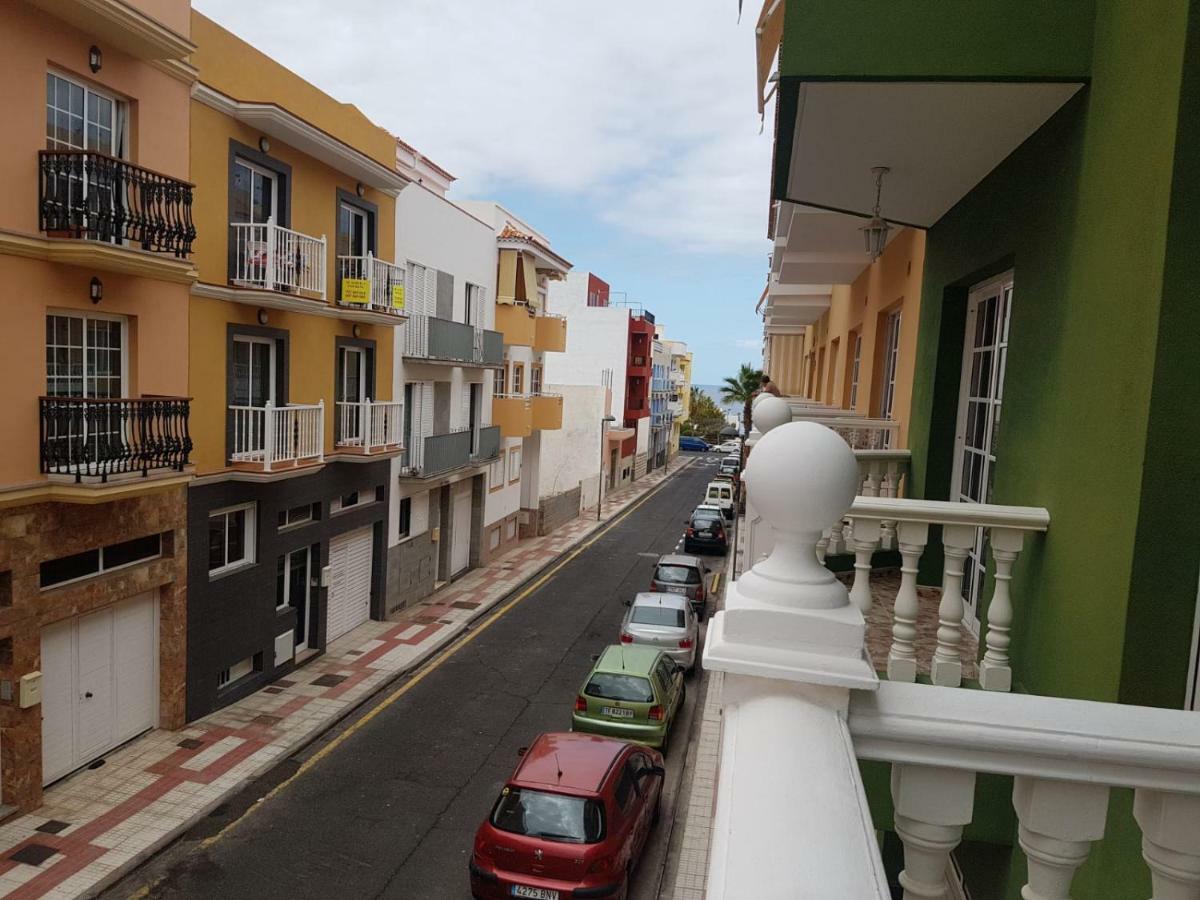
(235, 673)
(355, 212)
(287, 581)
(118, 137)
(496, 473)
(85, 316)
(251, 542)
(365, 497)
(261, 172)
(854, 369)
(287, 516)
(102, 569)
(514, 453)
(408, 532)
(272, 363)
(891, 362)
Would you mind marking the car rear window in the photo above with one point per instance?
(615, 686)
(706, 521)
(554, 817)
(658, 615)
(677, 575)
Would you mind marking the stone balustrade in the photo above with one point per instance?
(1006, 528)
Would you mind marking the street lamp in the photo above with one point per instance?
(604, 423)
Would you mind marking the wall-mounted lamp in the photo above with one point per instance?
(96, 289)
(264, 145)
(95, 59)
(356, 330)
(262, 317)
(360, 189)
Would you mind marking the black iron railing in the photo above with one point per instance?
(90, 195)
(86, 437)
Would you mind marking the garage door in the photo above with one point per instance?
(460, 547)
(99, 683)
(349, 582)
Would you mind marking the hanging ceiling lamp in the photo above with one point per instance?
(875, 232)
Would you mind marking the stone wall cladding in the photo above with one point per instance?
(30, 535)
(556, 511)
(410, 570)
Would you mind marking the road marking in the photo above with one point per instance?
(425, 670)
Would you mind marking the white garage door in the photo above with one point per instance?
(99, 683)
(349, 582)
(460, 547)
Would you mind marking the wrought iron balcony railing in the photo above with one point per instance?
(96, 197)
(87, 437)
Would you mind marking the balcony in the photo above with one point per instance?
(488, 446)
(550, 333)
(92, 439)
(269, 257)
(547, 411)
(365, 282)
(803, 706)
(93, 197)
(513, 413)
(269, 438)
(369, 427)
(517, 323)
(442, 340)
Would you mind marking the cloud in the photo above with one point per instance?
(643, 111)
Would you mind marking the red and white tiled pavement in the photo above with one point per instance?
(101, 822)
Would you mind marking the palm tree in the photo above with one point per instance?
(741, 389)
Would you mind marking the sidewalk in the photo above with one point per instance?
(99, 823)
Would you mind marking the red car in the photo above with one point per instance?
(570, 823)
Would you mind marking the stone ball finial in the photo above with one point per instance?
(771, 413)
(758, 398)
(801, 478)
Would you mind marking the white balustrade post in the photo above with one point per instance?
(932, 805)
(268, 434)
(367, 423)
(870, 487)
(791, 646)
(902, 657)
(995, 671)
(865, 538)
(269, 277)
(946, 669)
(890, 488)
(320, 425)
(1058, 822)
(1170, 824)
(837, 538)
(370, 265)
(321, 267)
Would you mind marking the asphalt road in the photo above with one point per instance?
(392, 810)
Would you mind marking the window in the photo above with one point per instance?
(353, 230)
(498, 381)
(351, 499)
(854, 366)
(253, 195)
(496, 474)
(293, 574)
(405, 517)
(514, 465)
(230, 538)
(79, 118)
(299, 515)
(614, 686)
(535, 379)
(670, 574)
(101, 559)
(518, 378)
(553, 817)
(239, 670)
(659, 615)
(891, 354)
(85, 356)
(253, 371)
(625, 790)
(473, 313)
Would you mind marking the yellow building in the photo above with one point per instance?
(292, 323)
(681, 390)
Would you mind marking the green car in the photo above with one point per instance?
(633, 692)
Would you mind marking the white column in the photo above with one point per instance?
(1170, 826)
(1059, 820)
(932, 805)
(946, 669)
(268, 435)
(995, 671)
(865, 538)
(902, 657)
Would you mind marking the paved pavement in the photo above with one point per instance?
(387, 804)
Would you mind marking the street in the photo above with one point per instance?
(391, 801)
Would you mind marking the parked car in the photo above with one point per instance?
(570, 822)
(732, 446)
(705, 531)
(675, 573)
(665, 622)
(694, 443)
(730, 466)
(720, 493)
(633, 692)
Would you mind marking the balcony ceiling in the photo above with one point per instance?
(793, 306)
(939, 138)
(816, 246)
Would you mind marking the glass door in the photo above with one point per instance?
(293, 588)
(84, 197)
(253, 201)
(85, 357)
(352, 231)
(253, 371)
(352, 391)
(981, 392)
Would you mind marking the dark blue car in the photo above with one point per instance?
(693, 443)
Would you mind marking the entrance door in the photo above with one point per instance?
(99, 683)
(981, 392)
(350, 558)
(294, 589)
(460, 546)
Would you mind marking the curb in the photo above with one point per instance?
(435, 647)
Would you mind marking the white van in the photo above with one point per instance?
(720, 493)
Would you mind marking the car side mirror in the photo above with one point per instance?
(521, 751)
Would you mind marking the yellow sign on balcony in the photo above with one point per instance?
(356, 290)
(397, 296)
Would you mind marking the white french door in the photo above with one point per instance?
(86, 358)
(891, 359)
(981, 392)
(253, 371)
(352, 389)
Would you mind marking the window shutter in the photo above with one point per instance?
(464, 410)
(427, 408)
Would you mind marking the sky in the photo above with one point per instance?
(627, 132)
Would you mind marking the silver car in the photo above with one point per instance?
(665, 621)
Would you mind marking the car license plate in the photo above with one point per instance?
(676, 589)
(703, 532)
(519, 890)
(616, 712)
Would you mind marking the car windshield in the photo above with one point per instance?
(658, 615)
(705, 521)
(677, 575)
(555, 817)
(615, 686)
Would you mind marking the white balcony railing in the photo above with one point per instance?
(277, 435)
(802, 704)
(371, 283)
(370, 424)
(274, 258)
